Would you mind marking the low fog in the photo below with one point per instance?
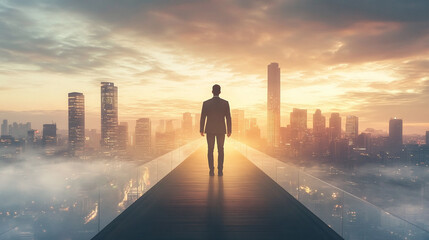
(401, 189)
(58, 198)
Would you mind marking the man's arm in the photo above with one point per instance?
(228, 120)
(202, 120)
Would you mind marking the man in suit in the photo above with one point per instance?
(216, 110)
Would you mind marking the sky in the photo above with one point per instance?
(365, 58)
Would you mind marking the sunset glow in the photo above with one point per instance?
(165, 56)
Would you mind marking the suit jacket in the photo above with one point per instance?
(215, 110)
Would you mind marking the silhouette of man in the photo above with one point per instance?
(216, 110)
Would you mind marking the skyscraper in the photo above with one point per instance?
(319, 123)
(237, 122)
(49, 134)
(76, 123)
(395, 134)
(298, 123)
(197, 117)
(19, 130)
(187, 124)
(335, 126)
(319, 133)
(49, 139)
(109, 116)
(427, 137)
(273, 105)
(352, 129)
(143, 135)
(4, 128)
(122, 137)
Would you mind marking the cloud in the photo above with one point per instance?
(28, 40)
(166, 47)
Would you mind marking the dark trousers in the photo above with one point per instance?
(220, 139)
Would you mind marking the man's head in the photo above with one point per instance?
(216, 90)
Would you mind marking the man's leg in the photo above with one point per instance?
(210, 147)
(220, 139)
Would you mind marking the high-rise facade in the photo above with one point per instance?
(49, 139)
(319, 133)
(335, 126)
(49, 134)
(427, 137)
(76, 103)
(298, 123)
(395, 134)
(109, 117)
(143, 136)
(238, 124)
(169, 126)
(18, 130)
(352, 129)
(187, 124)
(122, 138)
(197, 122)
(273, 105)
(319, 123)
(4, 128)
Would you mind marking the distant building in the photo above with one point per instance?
(340, 150)
(76, 104)
(273, 105)
(143, 136)
(164, 142)
(10, 148)
(319, 133)
(298, 123)
(319, 123)
(109, 117)
(19, 130)
(4, 128)
(285, 135)
(253, 123)
(335, 126)
(197, 123)
(253, 133)
(395, 135)
(187, 124)
(123, 138)
(238, 124)
(92, 139)
(352, 129)
(31, 137)
(427, 137)
(49, 134)
(364, 141)
(161, 126)
(49, 139)
(169, 126)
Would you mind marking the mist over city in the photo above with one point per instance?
(101, 101)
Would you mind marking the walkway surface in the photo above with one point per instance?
(243, 204)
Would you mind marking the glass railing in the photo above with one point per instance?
(348, 215)
(48, 202)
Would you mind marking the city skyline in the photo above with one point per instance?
(362, 64)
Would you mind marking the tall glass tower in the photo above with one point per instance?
(143, 136)
(109, 117)
(335, 126)
(395, 134)
(273, 105)
(76, 123)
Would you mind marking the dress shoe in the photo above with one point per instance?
(211, 173)
(220, 173)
